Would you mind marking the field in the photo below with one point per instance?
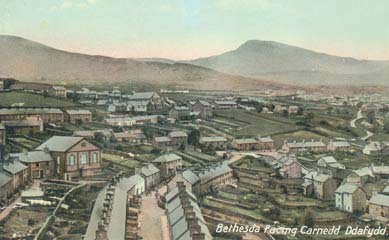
(251, 124)
(22, 99)
(131, 163)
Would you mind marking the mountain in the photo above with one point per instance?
(289, 64)
(31, 61)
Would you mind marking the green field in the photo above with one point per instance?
(254, 124)
(7, 99)
(120, 160)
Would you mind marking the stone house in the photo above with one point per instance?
(216, 143)
(168, 164)
(350, 197)
(6, 186)
(215, 176)
(16, 170)
(73, 156)
(190, 180)
(79, 116)
(322, 186)
(40, 163)
(57, 91)
(150, 174)
(379, 206)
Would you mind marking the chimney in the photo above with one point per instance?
(198, 236)
(46, 149)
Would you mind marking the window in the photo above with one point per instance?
(72, 160)
(94, 157)
(83, 144)
(36, 164)
(84, 158)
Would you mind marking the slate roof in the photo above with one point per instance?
(10, 111)
(141, 95)
(213, 139)
(380, 199)
(329, 159)
(162, 139)
(190, 176)
(4, 178)
(245, 141)
(59, 143)
(214, 172)
(13, 167)
(78, 111)
(2, 127)
(33, 156)
(167, 158)
(178, 134)
(149, 170)
(347, 188)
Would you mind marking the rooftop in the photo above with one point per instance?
(59, 143)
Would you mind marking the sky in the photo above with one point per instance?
(188, 29)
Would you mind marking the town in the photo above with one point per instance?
(107, 162)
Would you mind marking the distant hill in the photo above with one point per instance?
(31, 61)
(289, 64)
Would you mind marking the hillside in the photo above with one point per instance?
(289, 64)
(31, 61)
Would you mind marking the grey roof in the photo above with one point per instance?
(162, 139)
(305, 144)
(178, 134)
(4, 178)
(329, 159)
(59, 143)
(214, 172)
(386, 189)
(149, 170)
(341, 144)
(23, 123)
(13, 167)
(380, 199)
(33, 156)
(364, 172)
(266, 139)
(246, 141)
(190, 176)
(126, 184)
(167, 158)
(78, 111)
(2, 127)
(223, 102)
(347, 188)
(141, 95)
(213, 139)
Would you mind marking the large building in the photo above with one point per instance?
(258, 143)
(48, 115)
(215, 177)
(304, 146)
(73, 156)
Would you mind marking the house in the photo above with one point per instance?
(48, 115)
(126, 121)
(6, 83)
(139, 106)
(215, 176)
(163, 142)
(319, 185)
(293, 110)
(73, 156)
(155, 101)
(57, 91)
(329, 161)
(117, 107)
(350, 197)
(225, 104)
(258, 143)
(79, 116)
(190, 180)
(216, 143)
(6, 186)
(150, 174)
(379, 206)
(179, 138)
(168, 164)
(289, 167)
(339, 145)
(361, 176)
(40, 163)
(31, 87)
(280, 109)
(304, 146)
(184, 216)
(180, 113)
(17, 170)
(376, 149)
(28, 126)
(202, 108)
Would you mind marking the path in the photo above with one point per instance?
(152, 219)
(369, 135)
(359, 116)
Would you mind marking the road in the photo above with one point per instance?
(154, 223)
(359, 116)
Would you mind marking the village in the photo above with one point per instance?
(111, 162)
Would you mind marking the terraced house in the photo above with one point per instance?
(40, 163)
(168, 164)
(47, 115)
(79, 116)
(73, 156)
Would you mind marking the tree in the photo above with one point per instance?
(194, 137)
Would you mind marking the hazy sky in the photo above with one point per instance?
(184, 29)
